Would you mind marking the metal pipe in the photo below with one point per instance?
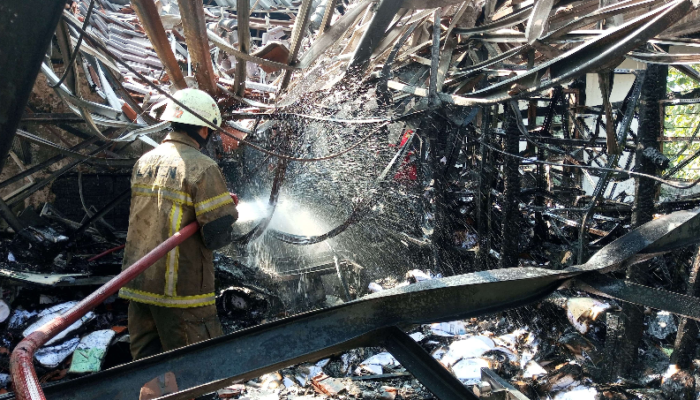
(150, 19)
(192, 13)
(24, 377)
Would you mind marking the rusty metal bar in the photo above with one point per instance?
(150, 19)
(243, 11)
(192, 13)
(327, 16)
(297, 34)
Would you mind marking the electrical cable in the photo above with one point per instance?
(620, 171)
(73, 56)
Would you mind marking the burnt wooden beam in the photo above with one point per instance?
(509, 206)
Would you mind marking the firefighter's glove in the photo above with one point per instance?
(218, 233)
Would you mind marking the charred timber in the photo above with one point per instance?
(510, 218)
(653, 90)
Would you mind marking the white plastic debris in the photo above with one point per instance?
(4, 311)
(565, 382)
(418, 275)
(512, 356)
(375, 364)
(19, 318)
(469, 371)
(663, 325)
(374, 287)
(11, 257)
(417, 336)
(578, 393)
(288, 383)
(449, 329)
(306, 372)
(323, 363)
(533, 369)
(52, 312)
(91, 351)
(5, 380)
(581, 311)
(50, 357)
(509, 340)
(472, 347)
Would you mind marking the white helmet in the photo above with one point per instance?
(199, 102)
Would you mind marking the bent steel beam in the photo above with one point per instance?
(26, 29)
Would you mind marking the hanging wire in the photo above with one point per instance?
(620, 171)
(76, 50)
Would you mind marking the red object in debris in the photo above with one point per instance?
(129, 112)
(119, 329)
(406, 136)
(104, 253)
(229, 143)
(324, 384)
(408, 171)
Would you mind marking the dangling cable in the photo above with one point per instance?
(77, 46)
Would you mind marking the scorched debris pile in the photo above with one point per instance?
(510, 183)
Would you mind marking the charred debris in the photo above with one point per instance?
(379, 148)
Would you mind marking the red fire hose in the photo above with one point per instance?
(24, 377)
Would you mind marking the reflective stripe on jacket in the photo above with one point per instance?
(171, 186)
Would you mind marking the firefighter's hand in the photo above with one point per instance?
(235, 198)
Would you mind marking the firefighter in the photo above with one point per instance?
(172, 303)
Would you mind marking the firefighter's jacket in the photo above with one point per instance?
(171, 186)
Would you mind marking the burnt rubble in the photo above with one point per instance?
(381, 150)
